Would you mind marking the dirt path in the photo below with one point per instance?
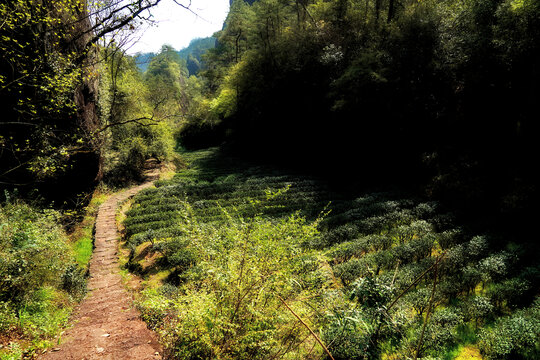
(106, 324)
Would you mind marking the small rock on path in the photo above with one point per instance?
(106, 324)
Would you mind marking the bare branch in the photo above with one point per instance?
(188, 8)
(137, 121)
(307, 326)
(19, 123)
(126, 20)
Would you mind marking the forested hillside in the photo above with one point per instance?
(48, 88)
(78, 120)
(437, 93)
(192, 54)
(355, 178)
(63, 80)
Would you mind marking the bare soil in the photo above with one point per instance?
(106, 325)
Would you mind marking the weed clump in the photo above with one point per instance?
(38, 276)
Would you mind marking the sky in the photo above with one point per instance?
(177, 26)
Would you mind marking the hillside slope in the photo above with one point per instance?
(192, 54)
(225, 244)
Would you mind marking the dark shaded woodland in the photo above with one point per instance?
(437, 95)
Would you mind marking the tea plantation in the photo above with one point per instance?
(248, 262)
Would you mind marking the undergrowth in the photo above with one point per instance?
(43, 274)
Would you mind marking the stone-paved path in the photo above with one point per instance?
(106, 324)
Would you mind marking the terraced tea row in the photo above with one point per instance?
(340, 259)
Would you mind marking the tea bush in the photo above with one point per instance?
(247, 265)
(514, 336)
(232, 238)
(347, 336)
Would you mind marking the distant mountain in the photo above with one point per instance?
(250, 2)
(192, 54)
(143, 59)
(197, 47)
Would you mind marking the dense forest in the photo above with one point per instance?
(192, 54)
(355, 178)
(437, 93)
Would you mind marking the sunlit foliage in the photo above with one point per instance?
(39, 279)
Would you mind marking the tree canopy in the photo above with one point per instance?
(51, 134)
(421, 92)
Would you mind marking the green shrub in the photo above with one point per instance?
(39, 277)
(347, 250)
(515, 291)
(370, 293)
(177, 253)
(153, 307)
(448, 238)
(229, 308)
(74, 281)
(8, 317)
(347, 337)
(418, 300)
(351, 270)
(477, 308)
(441, 331)
(495, 267)
(513, 337)
(128, 163)
(33, 251)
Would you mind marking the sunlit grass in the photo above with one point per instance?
(158, 279)
(84, 247)
(468, 352)
(82, 238)
(39, 320)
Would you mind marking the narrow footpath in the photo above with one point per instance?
(106, 324)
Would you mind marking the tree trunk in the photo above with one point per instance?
(391, 5)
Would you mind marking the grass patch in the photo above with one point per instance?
(82, 237)
(468, 352)
(84, 247)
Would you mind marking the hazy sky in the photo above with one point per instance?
(177, 26)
